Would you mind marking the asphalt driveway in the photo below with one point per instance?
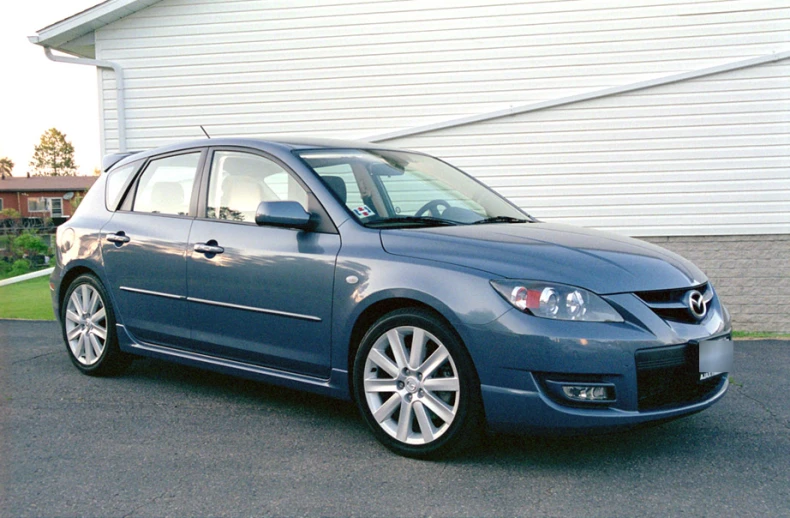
(166, 440)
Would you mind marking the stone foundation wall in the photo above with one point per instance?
(751, 274)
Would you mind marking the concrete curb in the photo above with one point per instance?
(26, 277)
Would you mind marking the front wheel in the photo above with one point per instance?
(416, 386)
(88, 325)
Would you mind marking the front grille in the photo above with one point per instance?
(669, 377)
(672, 305)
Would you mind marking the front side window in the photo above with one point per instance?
(239, 182)
(166, 185)
(396, 188)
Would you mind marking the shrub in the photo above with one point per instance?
(20, 267)
(29, 244)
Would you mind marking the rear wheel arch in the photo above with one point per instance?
(87, 321)
(69, 278)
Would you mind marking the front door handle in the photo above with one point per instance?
(118, 238)
(209, 248)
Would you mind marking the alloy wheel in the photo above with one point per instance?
(86, 324)
(411, 385)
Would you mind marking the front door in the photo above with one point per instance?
(144, 251)
(259, 294)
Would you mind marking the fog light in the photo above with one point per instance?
(597, 393)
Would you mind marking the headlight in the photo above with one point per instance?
(557, 301)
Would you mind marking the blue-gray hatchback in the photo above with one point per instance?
(387, 277)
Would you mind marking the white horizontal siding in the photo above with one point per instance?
(616, 163)
(641, 163)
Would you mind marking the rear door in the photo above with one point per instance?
(259, 294)
(144, 249)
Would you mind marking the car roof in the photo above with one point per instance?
(273, 145)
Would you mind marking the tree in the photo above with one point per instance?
(53, 156)
(6, 166)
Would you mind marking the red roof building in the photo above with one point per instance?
(43, 196)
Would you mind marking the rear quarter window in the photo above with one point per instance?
(117, 181)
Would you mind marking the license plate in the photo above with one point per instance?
(715, 357)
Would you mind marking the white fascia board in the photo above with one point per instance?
(87, 22)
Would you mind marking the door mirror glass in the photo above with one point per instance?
(288, 214)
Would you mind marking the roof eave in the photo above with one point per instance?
(69, 35)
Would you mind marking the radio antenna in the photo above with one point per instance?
(205, 132)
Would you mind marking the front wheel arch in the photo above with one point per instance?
(375, 312)
(454, 427)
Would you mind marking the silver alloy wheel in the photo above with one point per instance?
(411, 385)
(86, 324)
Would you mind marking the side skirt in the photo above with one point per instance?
(336, 386)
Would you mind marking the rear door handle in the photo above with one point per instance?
(205, 248)
(118, 238)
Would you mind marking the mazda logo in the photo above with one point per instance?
(696, 304)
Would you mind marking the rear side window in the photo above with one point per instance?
(165, 186)
(116, 181)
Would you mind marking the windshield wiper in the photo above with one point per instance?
(411, 220)
(500, 219)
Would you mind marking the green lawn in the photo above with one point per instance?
(27, 299)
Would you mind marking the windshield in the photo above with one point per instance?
(400, 189)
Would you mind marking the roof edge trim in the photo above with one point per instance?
(87, 21)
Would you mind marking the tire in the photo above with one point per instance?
(87, 321)
(424, 402)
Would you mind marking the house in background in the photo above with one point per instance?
(666, 121)
(43, 196)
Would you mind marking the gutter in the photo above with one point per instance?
(595, 94)
(119, 87)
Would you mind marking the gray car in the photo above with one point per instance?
(387, 277)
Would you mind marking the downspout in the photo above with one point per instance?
(119, 96)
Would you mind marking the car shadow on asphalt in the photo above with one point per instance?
(236, 390)
(680, 438)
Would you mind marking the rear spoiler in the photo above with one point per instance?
(110, 160)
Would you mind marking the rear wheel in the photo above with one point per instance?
(416, 387)
(88, 325)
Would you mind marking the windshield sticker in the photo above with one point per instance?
(363, 211)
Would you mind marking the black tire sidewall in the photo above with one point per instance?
(466, 424)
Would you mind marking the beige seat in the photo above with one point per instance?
(241, 195)
(168, 198)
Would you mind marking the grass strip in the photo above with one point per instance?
(28, 299)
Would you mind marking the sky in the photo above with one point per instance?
(37, 94)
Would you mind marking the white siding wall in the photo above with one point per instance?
(706, 156)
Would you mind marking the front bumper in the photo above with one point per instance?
(518, 356)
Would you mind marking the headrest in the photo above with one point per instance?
(338, 186)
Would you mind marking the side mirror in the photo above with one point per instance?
(289, 214)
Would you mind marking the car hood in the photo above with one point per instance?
(598, 261)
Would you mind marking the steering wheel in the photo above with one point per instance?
(432, 207)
